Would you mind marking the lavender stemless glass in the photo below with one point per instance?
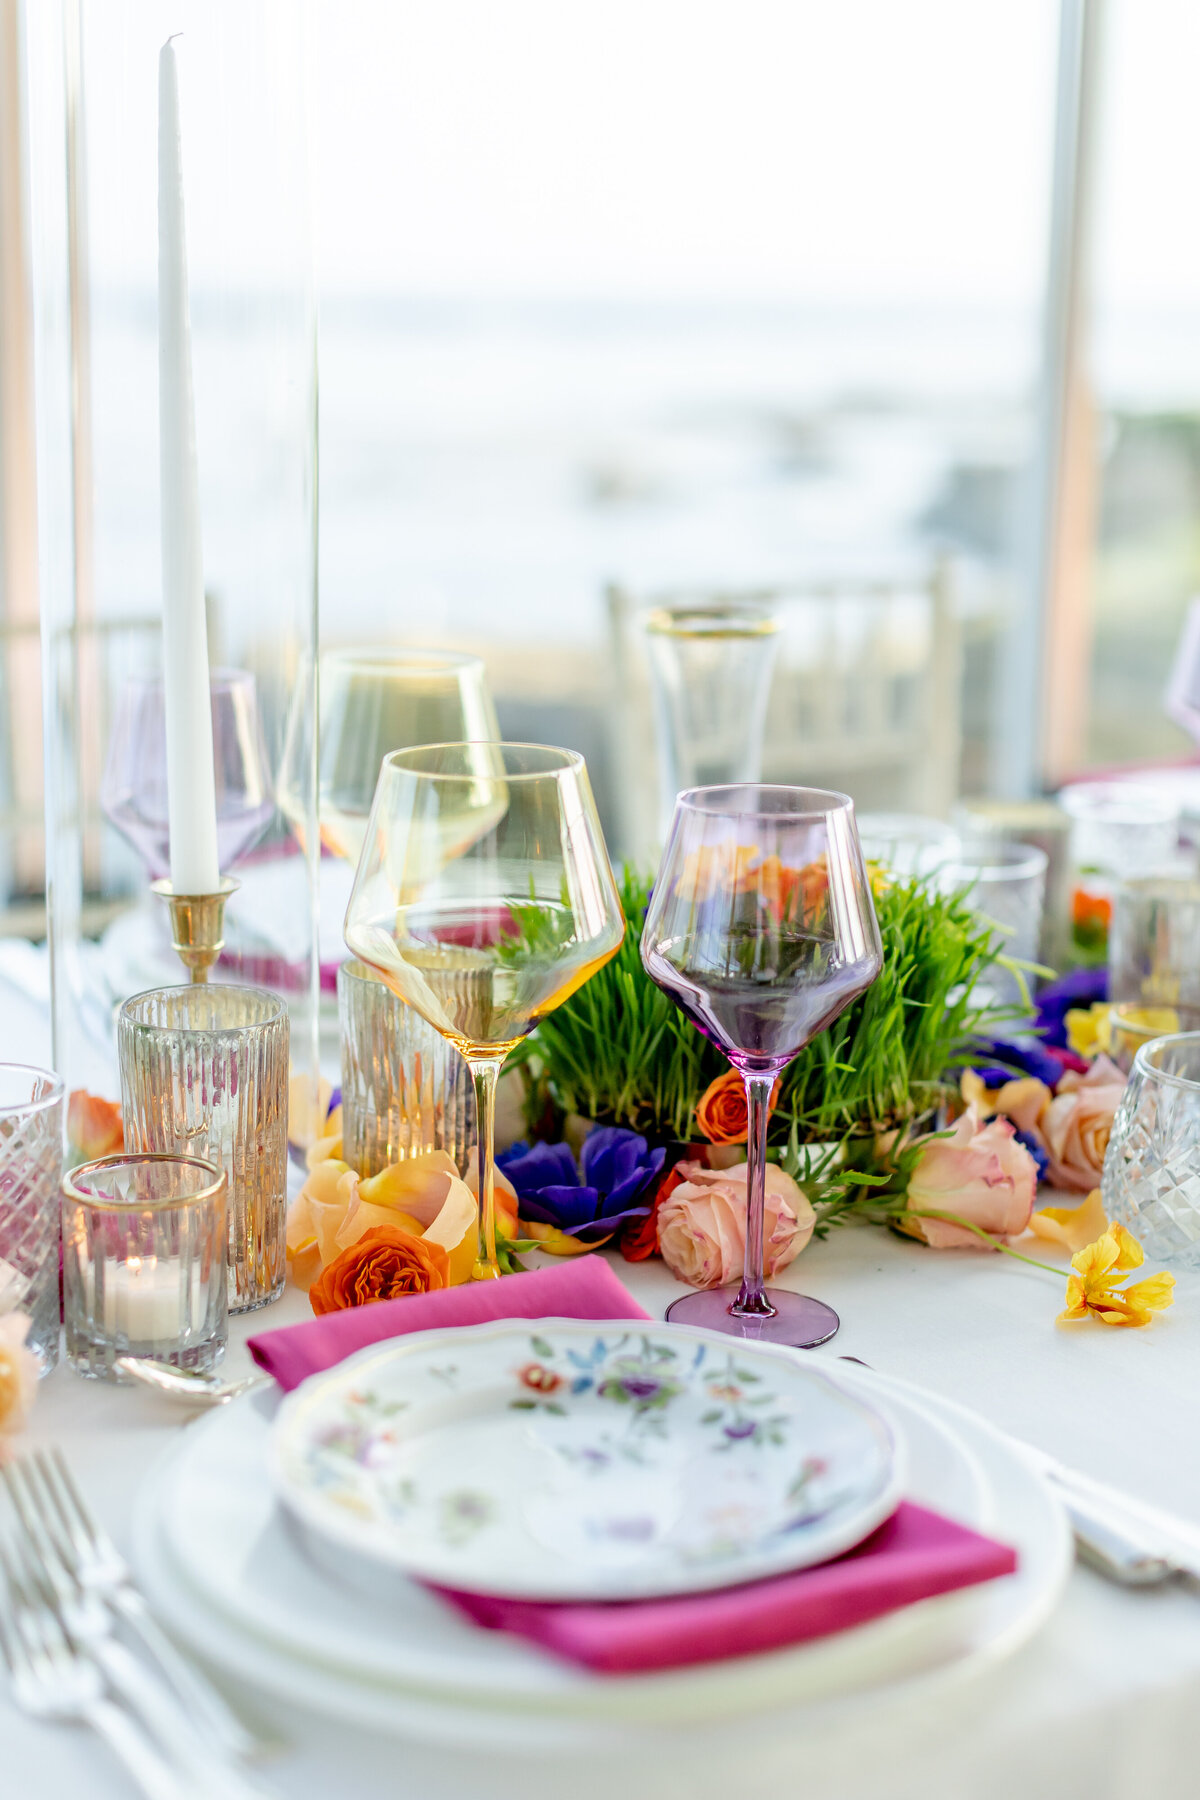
(762, 931)
(133, 791)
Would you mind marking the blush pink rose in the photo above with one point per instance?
(1075, 1127)
(702, 1224)
(979, 1172)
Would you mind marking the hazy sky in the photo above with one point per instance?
(845, 150)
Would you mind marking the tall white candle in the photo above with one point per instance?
(191, 793)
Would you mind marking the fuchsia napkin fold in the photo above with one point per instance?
(584, 1289)
(915, 1555)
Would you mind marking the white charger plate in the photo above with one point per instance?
(566, 1459)
(223, 1572)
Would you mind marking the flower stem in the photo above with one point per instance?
(995, 1244)
(485, 1072)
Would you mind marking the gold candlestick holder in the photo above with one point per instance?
(197, 924)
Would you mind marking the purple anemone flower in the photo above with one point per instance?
(592, 1200)
(1079, 988)
(1009, 1057)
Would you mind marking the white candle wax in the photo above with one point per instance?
(148, 1302)
(191, 792)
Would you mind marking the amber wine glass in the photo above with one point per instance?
(484, 898)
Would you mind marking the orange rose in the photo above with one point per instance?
(721, 1114)
(94, 1125)
(384, 1264)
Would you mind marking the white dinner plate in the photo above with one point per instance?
(223, 1570)
(565, 1459)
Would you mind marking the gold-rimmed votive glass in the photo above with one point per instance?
(144, 1239)
(204, 1072)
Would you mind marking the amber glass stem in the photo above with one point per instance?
(485, 1072)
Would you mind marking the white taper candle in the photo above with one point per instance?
(191, 793)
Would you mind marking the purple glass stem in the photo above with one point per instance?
(752, 1302)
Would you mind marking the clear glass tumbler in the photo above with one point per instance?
(1151, 1179)
(31, 1156)
(712, 668)
(1005, 885)
(1119, 832)
(405, 1090)
(204, 1072)
(909, 843)
(144, 1255)
(1154, 943)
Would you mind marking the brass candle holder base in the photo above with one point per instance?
(197, 924)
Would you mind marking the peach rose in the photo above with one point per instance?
(702, 1223)
(382, 1265)
(1075, 1127)
(18, 1373)
(721, 1113)
(94, 1125)
(979, 1172)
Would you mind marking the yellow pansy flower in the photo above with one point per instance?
(1088, 1030)
(1091, 1292)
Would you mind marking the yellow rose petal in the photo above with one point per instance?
(1073, 1226)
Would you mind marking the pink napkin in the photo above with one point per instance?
(915, 1555)
(584, 1289)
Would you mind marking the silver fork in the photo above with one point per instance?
(99, 1568)
(91, 1626)
(51, 1681)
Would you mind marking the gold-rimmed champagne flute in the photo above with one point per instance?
(484, 898)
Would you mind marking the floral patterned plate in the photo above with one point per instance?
(561, 1459)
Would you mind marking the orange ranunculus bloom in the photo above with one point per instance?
(714, 867)
(94, 1125)
(721, 1114)
(788, 893)
(1090, 909)
(383, 1264)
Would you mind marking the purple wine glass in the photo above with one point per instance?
(762, 930)
(133, 791)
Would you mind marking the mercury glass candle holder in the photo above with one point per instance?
(204, 1072)
(144, 1239)
(31, 1154)
(405, 1090)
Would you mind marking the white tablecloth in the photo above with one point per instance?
(1105, 1702)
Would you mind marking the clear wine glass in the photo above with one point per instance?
(762, 930)
(133, 789)
(484, 898)
(372, 701)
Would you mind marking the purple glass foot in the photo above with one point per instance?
(796, 1320)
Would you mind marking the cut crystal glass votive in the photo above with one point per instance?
(204, 1072)
(1151, 1179)
(405, 1090)
(144, 1261)
(31, 1156)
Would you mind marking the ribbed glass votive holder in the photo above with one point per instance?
(144, 1260)
(204, 1072)
(404, 1088)
(31, 1156)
